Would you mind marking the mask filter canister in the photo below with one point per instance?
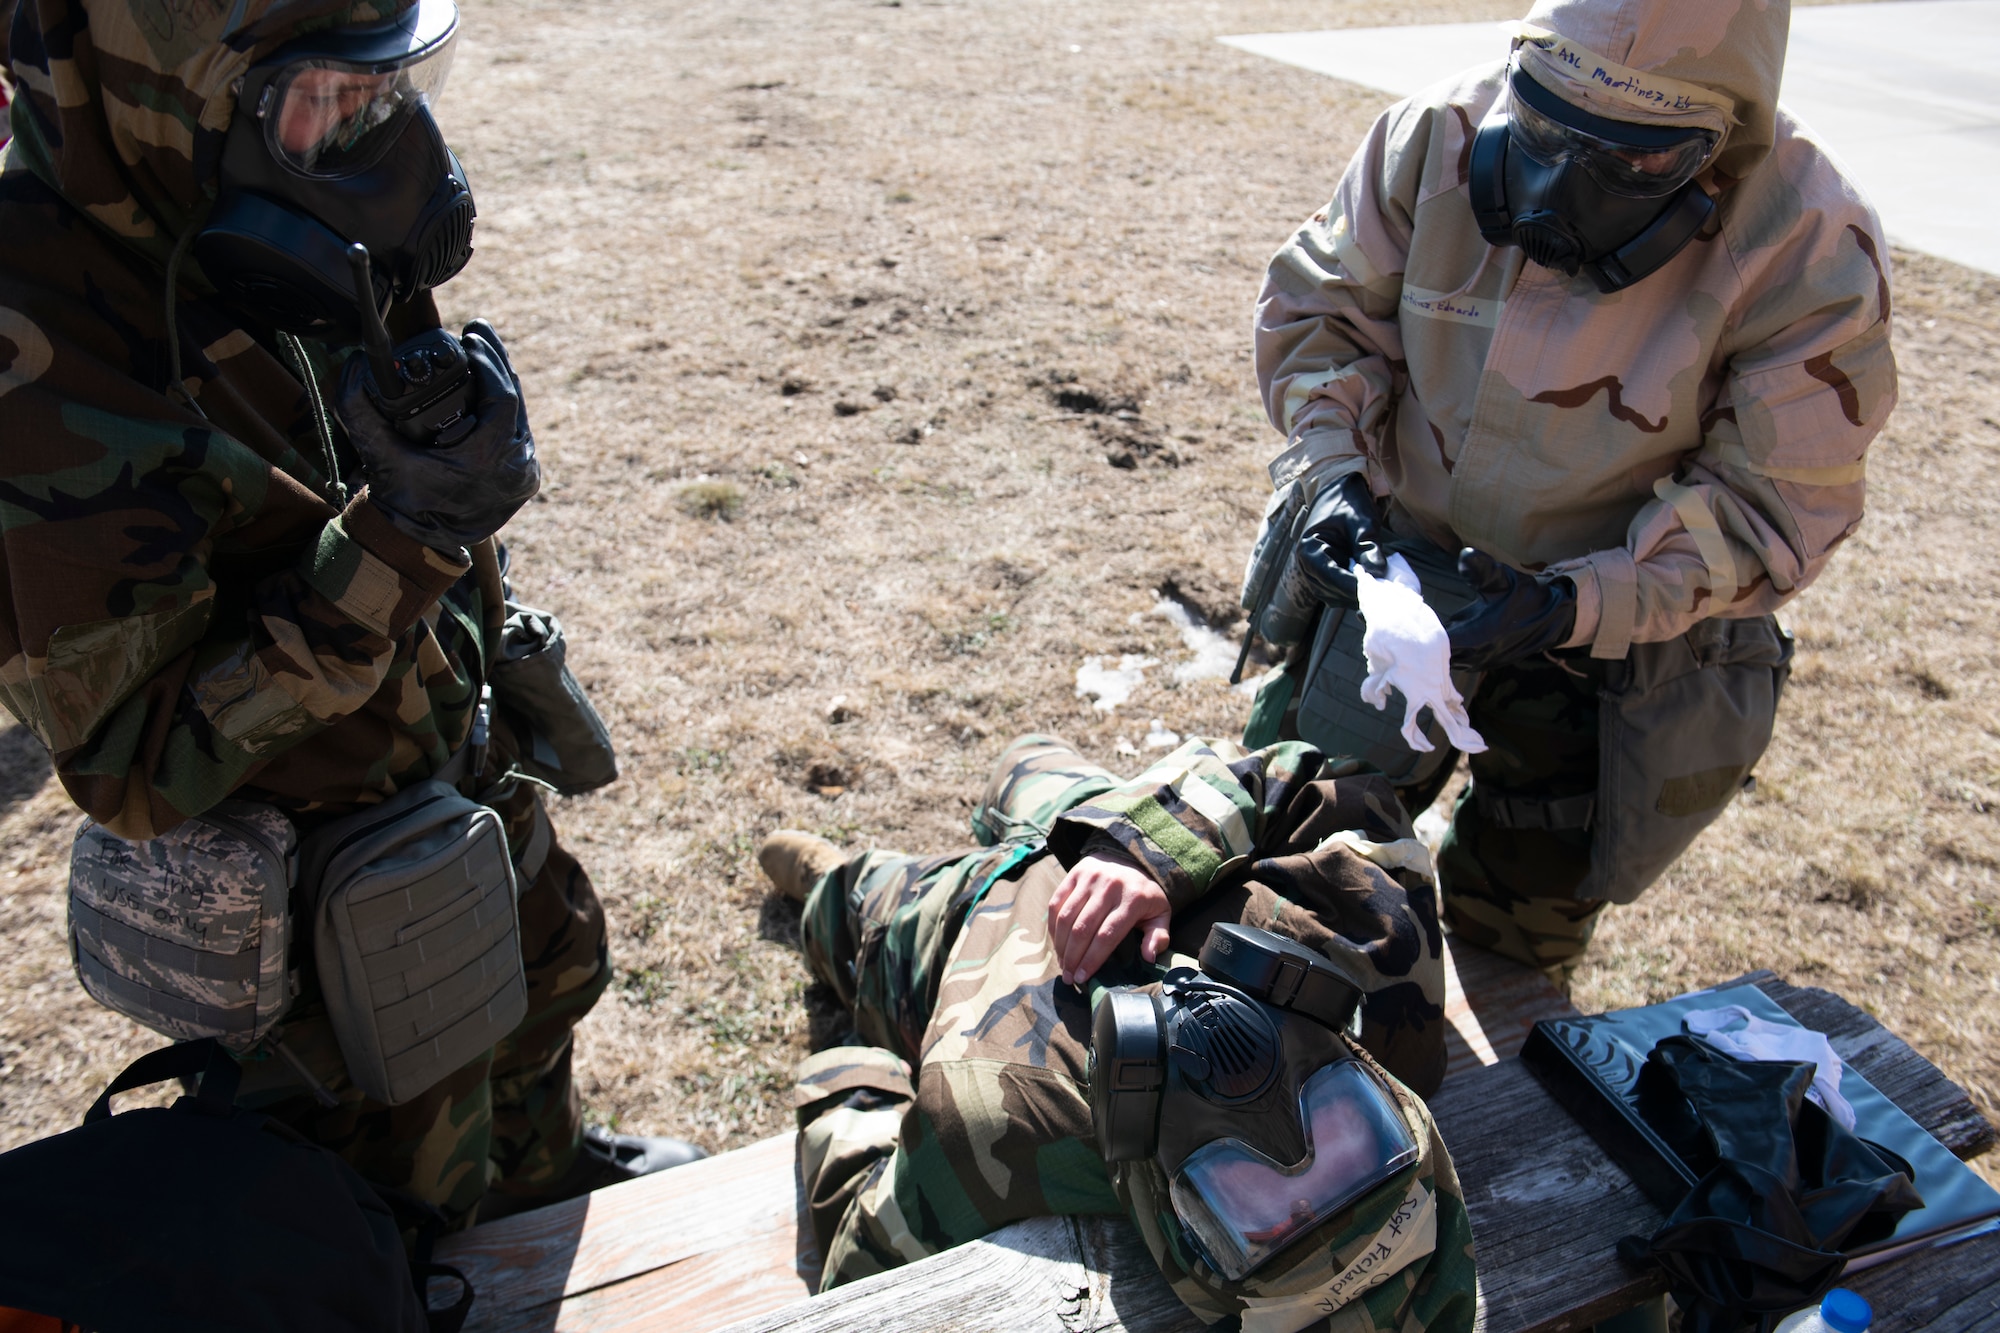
(1234, 1079)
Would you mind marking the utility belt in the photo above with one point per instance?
(409, 909)
(1680, 726)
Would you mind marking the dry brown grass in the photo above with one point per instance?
(801, 290)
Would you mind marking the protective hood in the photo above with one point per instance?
(123, 104)
(1715, 66)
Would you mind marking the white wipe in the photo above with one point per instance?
(1761, 1040)
(1406, 648)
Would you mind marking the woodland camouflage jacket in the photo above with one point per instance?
(1688, 447)
(189, 601)
(995, 1124)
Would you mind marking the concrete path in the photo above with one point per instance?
(1907, 96)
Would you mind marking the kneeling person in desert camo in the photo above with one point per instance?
(972, 979)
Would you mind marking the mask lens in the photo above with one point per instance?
(1244, 1208)
(330, 118)
(1621, 168)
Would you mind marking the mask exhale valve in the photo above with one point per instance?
(424, 385)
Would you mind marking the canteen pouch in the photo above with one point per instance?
(1331, 713)
(416, 937)
(187, 933)
(1680, 726)
(563, 742)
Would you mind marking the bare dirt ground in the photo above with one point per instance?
(898, 354)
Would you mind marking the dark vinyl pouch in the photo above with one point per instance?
(1680, 726)
(1331, 713)
(416, 936)
(563, 741)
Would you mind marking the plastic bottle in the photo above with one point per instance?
(1841, 1312)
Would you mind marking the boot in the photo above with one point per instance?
(602, 1158)
(795, 861)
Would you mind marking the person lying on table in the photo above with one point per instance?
(971, 979)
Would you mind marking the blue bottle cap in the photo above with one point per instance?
(1845, 1312)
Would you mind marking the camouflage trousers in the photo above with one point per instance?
(1511, 889)
(878, 928)
(1506, 889)
(511, 1119)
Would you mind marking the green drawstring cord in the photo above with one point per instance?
(174, 382)
(306, 377)
(293, 347)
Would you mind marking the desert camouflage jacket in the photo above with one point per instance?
(1689, 447)
(983, 1118)
(194, 602)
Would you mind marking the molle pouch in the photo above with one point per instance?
(1332, 715)
(416, 937)
(1679, 730)
(187, 933)
(563, 741)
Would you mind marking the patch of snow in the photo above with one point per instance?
(1112, 685)
(1159, 738)
(1126, 748)
(1214, 652)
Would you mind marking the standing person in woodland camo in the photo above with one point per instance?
(971, 978)
(1607, 318)
(250, 589)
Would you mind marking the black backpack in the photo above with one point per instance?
(207, 1218)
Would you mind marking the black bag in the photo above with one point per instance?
(1784, 1187)
(204, 1218)
(564, 743)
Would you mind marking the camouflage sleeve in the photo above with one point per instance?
(155, 696)
(1203, 808)
(1779, 480)
(1326, 330)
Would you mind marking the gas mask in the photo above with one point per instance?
(1576, 191)
(332, 145)
(1235, 1079)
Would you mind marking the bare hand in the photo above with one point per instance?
(1096, 906)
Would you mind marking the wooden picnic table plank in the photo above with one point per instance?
(1955, 1289)
(1490, 1003)
(746, 1199)
(1044, 1275)
(702, 1292)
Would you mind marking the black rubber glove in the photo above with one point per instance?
(1516, 616)
(459, 495)
(1345, 528)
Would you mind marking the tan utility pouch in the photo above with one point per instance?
(187, 933)
(563, 742)
(1678, 735)
(415, 937)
